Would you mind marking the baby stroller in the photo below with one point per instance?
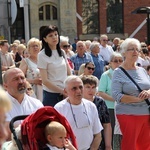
(32, 128)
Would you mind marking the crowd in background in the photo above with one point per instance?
(47, 63)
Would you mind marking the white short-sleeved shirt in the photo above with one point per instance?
(84, 112)
(106, 52)
(28, 106)
(56, 68)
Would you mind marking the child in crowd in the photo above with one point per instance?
(56, 136)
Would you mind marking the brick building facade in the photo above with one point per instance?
(130, 21)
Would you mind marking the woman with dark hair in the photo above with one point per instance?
(86, 69)
(53, 66)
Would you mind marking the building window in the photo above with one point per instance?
(41, 17)
(114, 16)
(90, 20)
(47, 12)
(54, 12)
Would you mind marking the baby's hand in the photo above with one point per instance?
(69, 146)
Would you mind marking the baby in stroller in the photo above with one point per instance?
(56, 136)
(40, 129)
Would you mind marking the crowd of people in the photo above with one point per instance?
(101, 87)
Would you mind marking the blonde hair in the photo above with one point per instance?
(54, 127)
(4, 100)
(21, 46)
(81, 69)
(33, 40)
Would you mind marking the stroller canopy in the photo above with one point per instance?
(32, 128)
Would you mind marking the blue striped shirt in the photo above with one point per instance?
(122, 85)
(78, 61)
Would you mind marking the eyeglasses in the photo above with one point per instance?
(34, 46)
(29, 89)
(89, 68)
(83, 119)
(66, 46)
(105, 40)
(133, 49)
(118, 61)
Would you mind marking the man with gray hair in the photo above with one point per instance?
(81, 56)
(81, 114)
(14, 82)
(105, 50)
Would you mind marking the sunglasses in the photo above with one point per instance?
(144, 46)
(118, 61)
(66, 46)
(89, 68)
(29, 89)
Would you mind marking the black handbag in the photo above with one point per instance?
(147, 101)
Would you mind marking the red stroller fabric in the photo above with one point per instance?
(32, 128)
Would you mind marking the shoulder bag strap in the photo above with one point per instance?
(147, 101)
(130, 78)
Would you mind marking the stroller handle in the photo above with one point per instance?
(11, 126)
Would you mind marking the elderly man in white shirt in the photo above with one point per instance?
(105, 50)
(81, 114)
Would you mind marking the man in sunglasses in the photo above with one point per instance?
(81, 114)
(105, 50)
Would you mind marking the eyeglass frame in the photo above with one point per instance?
(117, 61)
(74, 118)
(133, 49)
(34, 46)
(105, 40)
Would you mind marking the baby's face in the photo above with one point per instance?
(58, 139)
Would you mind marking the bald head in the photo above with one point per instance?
(11, 72)
(14, 81)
